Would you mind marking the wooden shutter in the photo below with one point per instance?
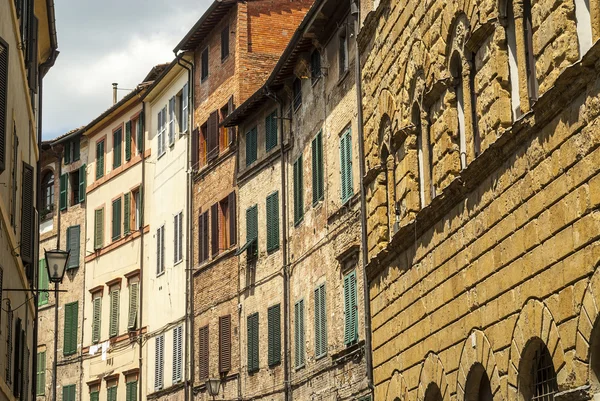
(116, 219)
(346, 166)
(117, 151)
(67, 152)
(128, 140)
(214, 229)
(63, 191)
(70, 329)
(94, 396)
(158, 252)
(251, 146)
(159, 362)
(99, 159)
(139, 142)
(76, 149)
(177, 353)
(271, 131)
(114, 312)
(127, 213)
(17, 359)
(172, 120)
(274, 334)
(317, 168)
(131, 391)
(111, 393)
(253, 344)
(185, 105)
(3, 103)
(195, 148)
(97, 316)
(43, 283)
(232, 219)
(41, 374)
(298, 191)
(320, 322)
(350, 312)
(69, 393)
(213, 135)
(273, 221)
(73, 241)
(82, 183)
(133, 306)
(27, 215)
(230, 109)
(299, 332)
(224, 344)
(203, 351)
(99, 229)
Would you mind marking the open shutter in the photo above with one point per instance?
(203, 353)
(185, 100)
(273, 221)
(27, 215)
(172, 120)
(298, 191)
(232, 219)
(63, 191)
(128, 140)
(114, 312)
(76, 149)
(127, 213)
(230, 109)
(133, 306)
(67, 152)
(70, 329)
(159, 362)
(201, 238)
(299, 332)
(116, 219)
(139, 129)
(73, 239)
(82, 183)
(213, 135)
(274, 323)
(214, 229)
(3, 103)
(99, 159)
(195, 148)
(41, 373)
(180, 237)
(225, 344)
(97, 315)
(43, 283)
(99, 228)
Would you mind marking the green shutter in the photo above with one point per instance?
(114, 313)
(111, 393)
(70, 329)
(127, 213)
(350, 312)
(63, 191)
(346, 166)
(117, 151)
(274, 334)
(273, 221)
(133, 306)
(67, 152)
(43, 283)
(317, 169)
(99, 229)
(140, 134)
(82, 183)
(68, 393)
(251, 146)
(131, 393)
(116, 219)
(252, 323)
(128, 140)
(97, 315)
(73, 241)
(41, 373)
(298, 191)
(76, 149)
(320, 322)
(299, 332)
(100, 159)
(94, 396)
(271, 131)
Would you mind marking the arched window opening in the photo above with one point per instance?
(48, 192)
(584, 26)
(388, 165)
(476, 137)
(433, 393)
(595, 357)
(537, 377)
(511, 38)
(416, 121)
(457, 73)
(532, 83)
(478, 386)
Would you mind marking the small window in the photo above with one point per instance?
(343, 51)
(251, 146)
(204, 70)
(297, 90)
(224, 43)
(224, 224)
(224, 132)
(315, 65)
(136, 213)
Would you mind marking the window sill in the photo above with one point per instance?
(162, 273)
(318, 358)
(178, 262)
(344, 208)
(207, 264)
(300, 220)
(224, 59)
(343, 76)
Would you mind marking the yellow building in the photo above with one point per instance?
(482, 188)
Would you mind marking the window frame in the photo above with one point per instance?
(225, 38)
(204, 69)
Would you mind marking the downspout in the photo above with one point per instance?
(142, 224)
(363, 206)
(188, 221)
(284, 241)
(55, 362)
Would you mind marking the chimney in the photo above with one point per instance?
(115, 92)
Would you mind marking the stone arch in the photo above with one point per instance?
(384, 137)
(535, 323)
(386, 106)
(587, 340)
(397, 389)
(432, 372)
(457, 37)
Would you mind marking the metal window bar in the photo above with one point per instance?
(545, 385)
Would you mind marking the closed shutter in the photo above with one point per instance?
(299, 332)
(131, 391)
(41, 373)
(70, 328)
(100, 159)
(213, 135)
(94, 396)
(18, 363)
(252, 230)
(9, 343)
(116, 219)
(117, 151)
(320, 322)
(73, 241)
(96, 322)
(203, 351)
(177, 353)
(162, 249)
(232, 219)
(225, 344)
(230, 109)
(76, 149)
(139, 142)
(128, 140)
(298, 191)
(251, 146)
(43, 283)
(159, 362)
(27, 215)
(114, 313)
(214, 229)
(350, 312)
(253, 344)
(69, 393)
(180, 241)
(271, 131)
(346, 166)
(99, 229)
(67, 153)
(273, 221)
(201, 238)
(195, 148)
(111, 393)
(3, 104)
(160, 134)
(127, 213)
(274, 334)
(82, 183)
(133, 305)
(63, 191)
(317, 169)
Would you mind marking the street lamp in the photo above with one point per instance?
(56, 263)
(213, 387)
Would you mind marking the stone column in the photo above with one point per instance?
(391, 193)
(521, 54)
(427, 163)
(468, 110)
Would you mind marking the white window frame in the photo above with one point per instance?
(177, 241)
(172, 121)
(160, 256)
(162, 128)
(185, 100)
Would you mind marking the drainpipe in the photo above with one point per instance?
(54, 362)
(188, 255)
(363, 205)
(142, 223)
(284, 256)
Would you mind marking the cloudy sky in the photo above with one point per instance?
(107, 41)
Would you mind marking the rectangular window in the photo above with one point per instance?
(128, 140)
(3, 103)
(318, 187)
(252, 231)
(271, 131)
(41, 373)
(299, 333)
(226, 225)
(159, 362)
(204, 65)
(224, 43)
(95, 395)
(116, 219)
(185, 109)
(298, 191)
(252, 323)
(343, 51)
(203, 151)
(251, 146)
(69, 393)
(70, 329)
(9, 345)
(162, 130)
(82, 183)
(203, 352)
(100, 159)
(297, 93)
(96, 318)
(117, 148)
(203, 237)
(139, 129)
(274, 334)
(224, 344)
(320, 322)
(131, 391)
(136, 214)
(350, 309)
(111, 392)
(273, 222)
(224, 139)
(43, 283)
(73, 241)
(172, 121)
(178, 237)
(99, 228)
(177, 353)
(315, 65)
(213, 136)
(214, 229)
(63, 186)
(74, 178)
(67, 153)
(126, 213)
(134, 295)
(160, 250)
(114, 312)
(346, 166)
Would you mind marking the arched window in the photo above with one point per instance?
(584, 26)
(416, 121)
(537, 377)
(388, 165)
(48, 191)
(433, 393)
(595, 357)
(478, 386)
(457, 72)
(511, 38)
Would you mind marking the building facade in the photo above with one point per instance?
(480, 140)
(28, 49)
